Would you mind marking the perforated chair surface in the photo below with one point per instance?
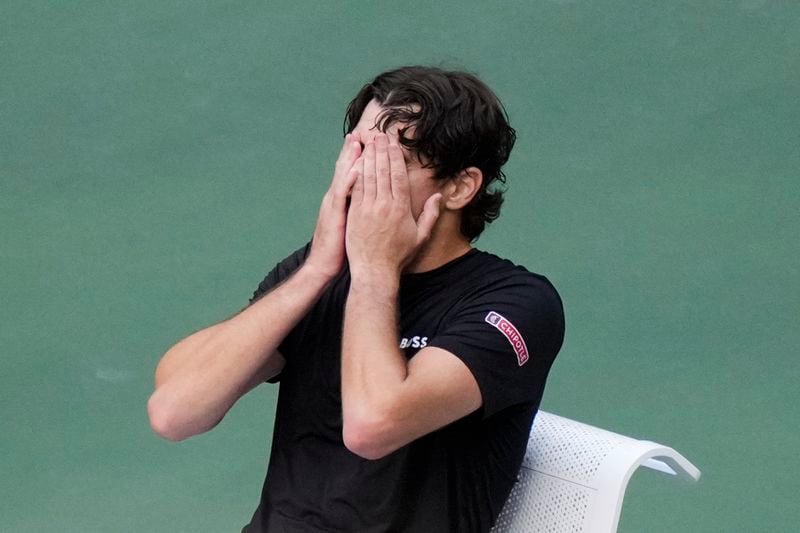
(574, 475)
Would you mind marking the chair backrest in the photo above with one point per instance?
(574, 475)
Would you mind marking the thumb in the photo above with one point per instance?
(428, 217)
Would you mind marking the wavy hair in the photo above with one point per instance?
(458, 123)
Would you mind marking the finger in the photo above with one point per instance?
(398, 171)
(357, 194)
(355, 140)
(428, 217)
(355, 153)
(345, 187)
(384, 187)
(350, 152)
(345, 145)
(353, 175)
(351, 149)
(369, 177)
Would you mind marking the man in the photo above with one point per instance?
(411, 364)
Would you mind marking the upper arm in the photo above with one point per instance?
(494, 353)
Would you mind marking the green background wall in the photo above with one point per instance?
(157, 157)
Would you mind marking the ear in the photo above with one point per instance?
(461, 189)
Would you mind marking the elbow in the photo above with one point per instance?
(162, 420)
(367, 438)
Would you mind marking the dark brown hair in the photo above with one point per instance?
(458, 123)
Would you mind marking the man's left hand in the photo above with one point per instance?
(382, 236)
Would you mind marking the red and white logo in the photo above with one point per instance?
(511, 333)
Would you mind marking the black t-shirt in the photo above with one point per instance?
(505, 323)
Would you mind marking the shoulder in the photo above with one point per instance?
(498, 292)
(507, 326)
(498, 278)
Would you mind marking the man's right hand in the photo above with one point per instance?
(327, 246)
(200, 378)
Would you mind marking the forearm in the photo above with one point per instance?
(373, 367)
(218, 364)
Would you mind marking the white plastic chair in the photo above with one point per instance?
(573, 477)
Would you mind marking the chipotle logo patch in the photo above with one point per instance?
(511, 333)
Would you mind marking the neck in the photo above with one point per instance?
(446, 243)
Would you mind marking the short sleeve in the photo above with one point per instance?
(508, 336)
(276, 276)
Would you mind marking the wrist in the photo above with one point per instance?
(311, 273)
(375, 279)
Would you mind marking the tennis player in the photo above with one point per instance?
(411, 364)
